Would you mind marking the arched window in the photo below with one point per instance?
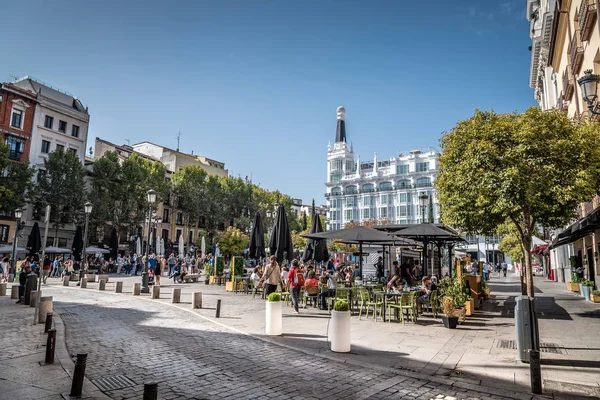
(403, 184)
(336, 191)
(385, 186)
(350, 190)
(424, 182)
(367, 188)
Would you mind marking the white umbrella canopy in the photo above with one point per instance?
(203, 248)
(162, 246)
(138, 247)
(96, 250)
(181, 245)
(158, 252)
(57, 250)
(9, 249)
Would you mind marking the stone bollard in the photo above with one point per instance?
(83, 283)
(119, 287)
(137, 287)
(66, 280)
(33, 298)
(176, 295)
(45, 308)
(91, 277)
(156, 292)
(102, 285)
(2, 289)
(197, 300)
(105, 277)
(14, 292)
(11, 278)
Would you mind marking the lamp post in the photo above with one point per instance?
(589, 90)
(88, 210)
(13, 263)
(423, 199)
(151, 200)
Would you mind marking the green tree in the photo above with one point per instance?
(61, 186)
(304, 223)
(189, 191)
(298, 241)
(16, 185)
(530, 168)
(233, 241)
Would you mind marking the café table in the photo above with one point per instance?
(384, 295)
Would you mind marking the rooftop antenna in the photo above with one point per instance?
(178, 138)
(13, 77)
(128, 142)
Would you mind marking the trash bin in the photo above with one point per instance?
(526, 327)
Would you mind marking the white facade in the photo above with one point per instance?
(378, 190)
(542, 78)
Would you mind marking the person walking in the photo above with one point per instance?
(25, 270)
(4, 267)
(160, 266)
(296, 280)
(272, 276)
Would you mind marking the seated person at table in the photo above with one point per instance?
(339, 274)
(428, 287)
(331, 285)
(356, 272)
(311, 286)
(176, 272)
(395, 280)
(406, 274)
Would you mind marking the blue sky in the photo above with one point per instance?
(255, 84)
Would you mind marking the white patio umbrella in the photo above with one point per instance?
(162, 246)
(203, 247)
(181, 245)
(138, 246)
(217, 250)
(158, 251)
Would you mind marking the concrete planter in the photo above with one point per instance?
(594, 298)
(339, 331)
(274, 318)
(573, 287)
(586, 292)
(580, 289)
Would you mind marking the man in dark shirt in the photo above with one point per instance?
(428, 287)
(406, 274)
(22, 281)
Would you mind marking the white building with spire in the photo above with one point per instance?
(382, 190)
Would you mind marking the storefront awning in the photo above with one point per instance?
(578, 229)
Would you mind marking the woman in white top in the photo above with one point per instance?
(284, 275)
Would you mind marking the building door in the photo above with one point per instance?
(591, 266)
(579, 261)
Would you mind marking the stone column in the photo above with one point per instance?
(84, 283)
(45, 308)
(137, 287)
(119, 287)
(102, 285)
(176, 295)
(197, 300)
(156, 292)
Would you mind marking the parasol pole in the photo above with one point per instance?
(39, 288)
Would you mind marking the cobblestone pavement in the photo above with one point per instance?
(192, 358)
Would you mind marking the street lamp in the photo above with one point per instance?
(589, 89)
(423, 199)
(88, 210)
(151, 200)
(18, 215)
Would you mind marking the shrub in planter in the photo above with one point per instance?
(220, 264)
(586, 288)
(339, 327)
(273, 317)
(450, 317)
(595, 296)
(238, 266)
(274, 297)
(341, 305)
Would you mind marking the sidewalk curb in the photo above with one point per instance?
(409, 374)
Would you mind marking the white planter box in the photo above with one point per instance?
(339, 331)
(273, 318)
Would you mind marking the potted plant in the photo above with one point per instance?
(586, 288)
(274, 319)
(220, 266)
(574, 284)
(595, 296)
(208, 271)
(339, 328)
(450, 317)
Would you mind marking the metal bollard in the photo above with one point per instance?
(150, 390)
(48, 325)
(218, 314)
(50, 345)
(78, 374)
(535, 372)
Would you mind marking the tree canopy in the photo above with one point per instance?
(233, 241)
(530, 168)
(15, 182)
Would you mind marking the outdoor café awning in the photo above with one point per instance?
(578, 229)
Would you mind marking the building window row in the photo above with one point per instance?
(62, 126)
(16, 120)
(424, 181)
(16, 146)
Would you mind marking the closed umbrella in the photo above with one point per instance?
(203, 247)
(114, 243)
(257, 239)
(34, 241)
(138, 246)
(158, 246)
(77, 244)
(181, 245)
(162, 246)
(316, 249)
(281, 237)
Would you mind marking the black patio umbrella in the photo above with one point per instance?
(77, 244)
(281, 237)
(114, 243)
(257, 239)
(34, 241)
(316, 249)
(358, 235)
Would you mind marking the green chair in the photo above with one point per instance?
(434, 303)
(367, 303)
(285, 296)
(256, 289)
(409, 305)
(341, 293)
(397, 307)
(310, 293)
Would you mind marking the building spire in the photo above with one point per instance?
(340, 132)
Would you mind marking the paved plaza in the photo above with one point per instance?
(193, 355)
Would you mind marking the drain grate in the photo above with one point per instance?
(113, 383)
(67, 314)
(544, 347)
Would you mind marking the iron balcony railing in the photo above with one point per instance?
(568, 83)
(587, 18)
(575, 52)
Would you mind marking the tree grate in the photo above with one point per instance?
(544, 347)
(113, 383)
(67, 314)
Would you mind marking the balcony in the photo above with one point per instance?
(14, 155)
(568, 84)
(587, 19)
(575, 52)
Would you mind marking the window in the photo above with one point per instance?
(404, 211)
(17, 119)
(367, 201)
(422, 166)
(383, 212)
(4, 233)
(402, 170)
(48, 122)
(384, 200)
(179, 220)
(403, 184)
(49, 241)
(351, 190)
(75, 131)
(60, 147)
(335, 178)
(72, 150)
(336, 191)
(368, 188)
(62, 242)
(191, 237)
(385, 186)
(351, 201)
(177, 234)
(45, 146)
(41, 174)
(335, 203)
(62, 126)
(16, 146)
(349, 215)
(424, 182)
(366, 213)
(336, 165)
(166, 214)
(404, 197)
